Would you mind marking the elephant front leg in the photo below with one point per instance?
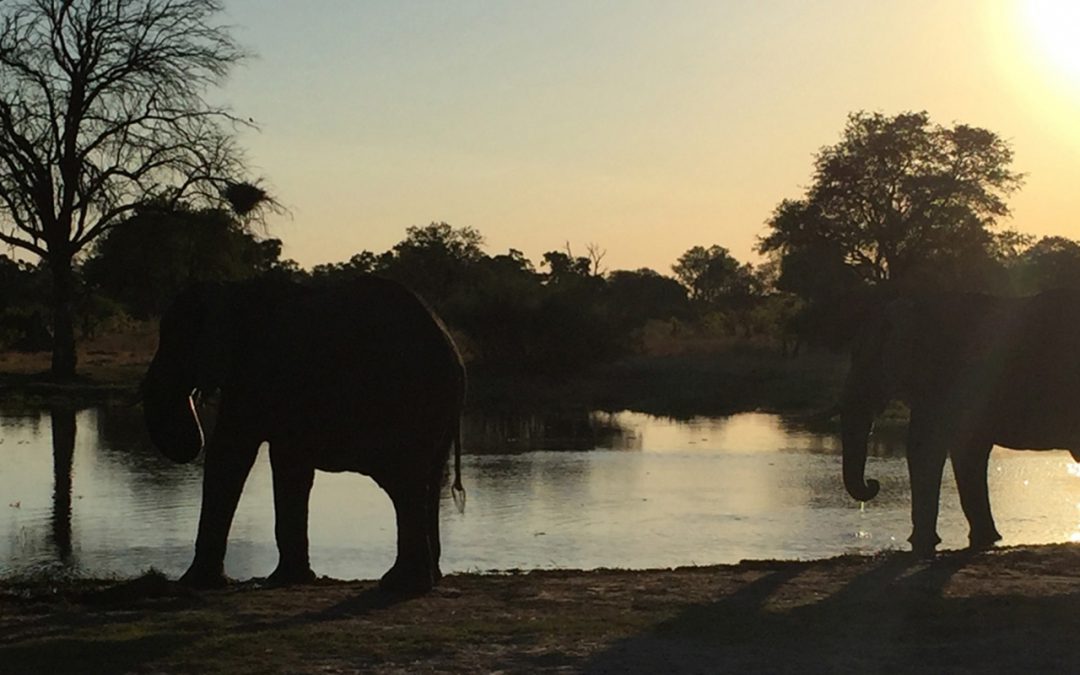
(926, 462)
(292, 491)
(969, 466)
(226, 469)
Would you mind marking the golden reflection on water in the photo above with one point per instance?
(1074, 470)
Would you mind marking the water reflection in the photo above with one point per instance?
(85, 490)
(63, 445)
(567, 430)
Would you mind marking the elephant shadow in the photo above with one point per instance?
(892, 617)
(368, 601)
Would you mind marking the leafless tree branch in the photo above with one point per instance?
(102, 106)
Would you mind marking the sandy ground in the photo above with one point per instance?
(1008, 610)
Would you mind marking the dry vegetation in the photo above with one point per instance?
(112, 357)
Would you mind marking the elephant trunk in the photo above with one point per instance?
(171, 420)
(855, 427)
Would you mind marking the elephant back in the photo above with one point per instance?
(369, 349)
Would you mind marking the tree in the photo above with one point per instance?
(101, 109)
(898, 196)
(640, 295)
(565, 269)
(360, 264)
(714, 276)
(156, 252)
(435, 260)
(1053, 262)
(23, 317)
(898, 204)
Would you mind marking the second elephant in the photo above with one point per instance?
(975, 371)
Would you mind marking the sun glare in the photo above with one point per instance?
(1054, 28)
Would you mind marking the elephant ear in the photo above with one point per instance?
(900, 336)
(217, 338)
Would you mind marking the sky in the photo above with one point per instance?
(639, 126)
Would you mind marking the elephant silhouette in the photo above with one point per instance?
(975, 371)
(358, 377)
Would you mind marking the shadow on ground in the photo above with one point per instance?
(1007, 610)
(892, 617)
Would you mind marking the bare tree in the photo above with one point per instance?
(591, 261)
(102, 107)
(596, 256)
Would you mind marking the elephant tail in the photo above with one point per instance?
(457, 491)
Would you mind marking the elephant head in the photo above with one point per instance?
(882, 357)
(192, 357)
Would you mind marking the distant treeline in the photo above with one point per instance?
(511, 314)
(899, 205)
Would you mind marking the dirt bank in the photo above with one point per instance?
(1008, 610)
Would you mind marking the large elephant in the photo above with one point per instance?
(359, 377)
(975, 371)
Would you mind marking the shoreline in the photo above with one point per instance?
(1001, 610)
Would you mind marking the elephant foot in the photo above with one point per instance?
(290, 575)
(203, 578)
(982, 540)
(407, 580)
(924, 547)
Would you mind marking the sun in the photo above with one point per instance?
(1053, 27)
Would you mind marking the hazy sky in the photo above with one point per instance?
(644, 126)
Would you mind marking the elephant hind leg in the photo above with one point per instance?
(413, 572)
(970, 466)
(434, 495)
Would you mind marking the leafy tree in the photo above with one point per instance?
(566, 269)
(1053, 262)
(160, 249)
(23, 317)
(498, 311)
(512, 263)
(640, 295)
(364, 262)
(898, 203)
(1009, 245)
(714, 276)
(436, 260)
(101, 108)
(897, 195)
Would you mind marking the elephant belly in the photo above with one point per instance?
(362, 444)
(1041, 413)
(1035, 433)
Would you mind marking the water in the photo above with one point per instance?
(570, 491)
